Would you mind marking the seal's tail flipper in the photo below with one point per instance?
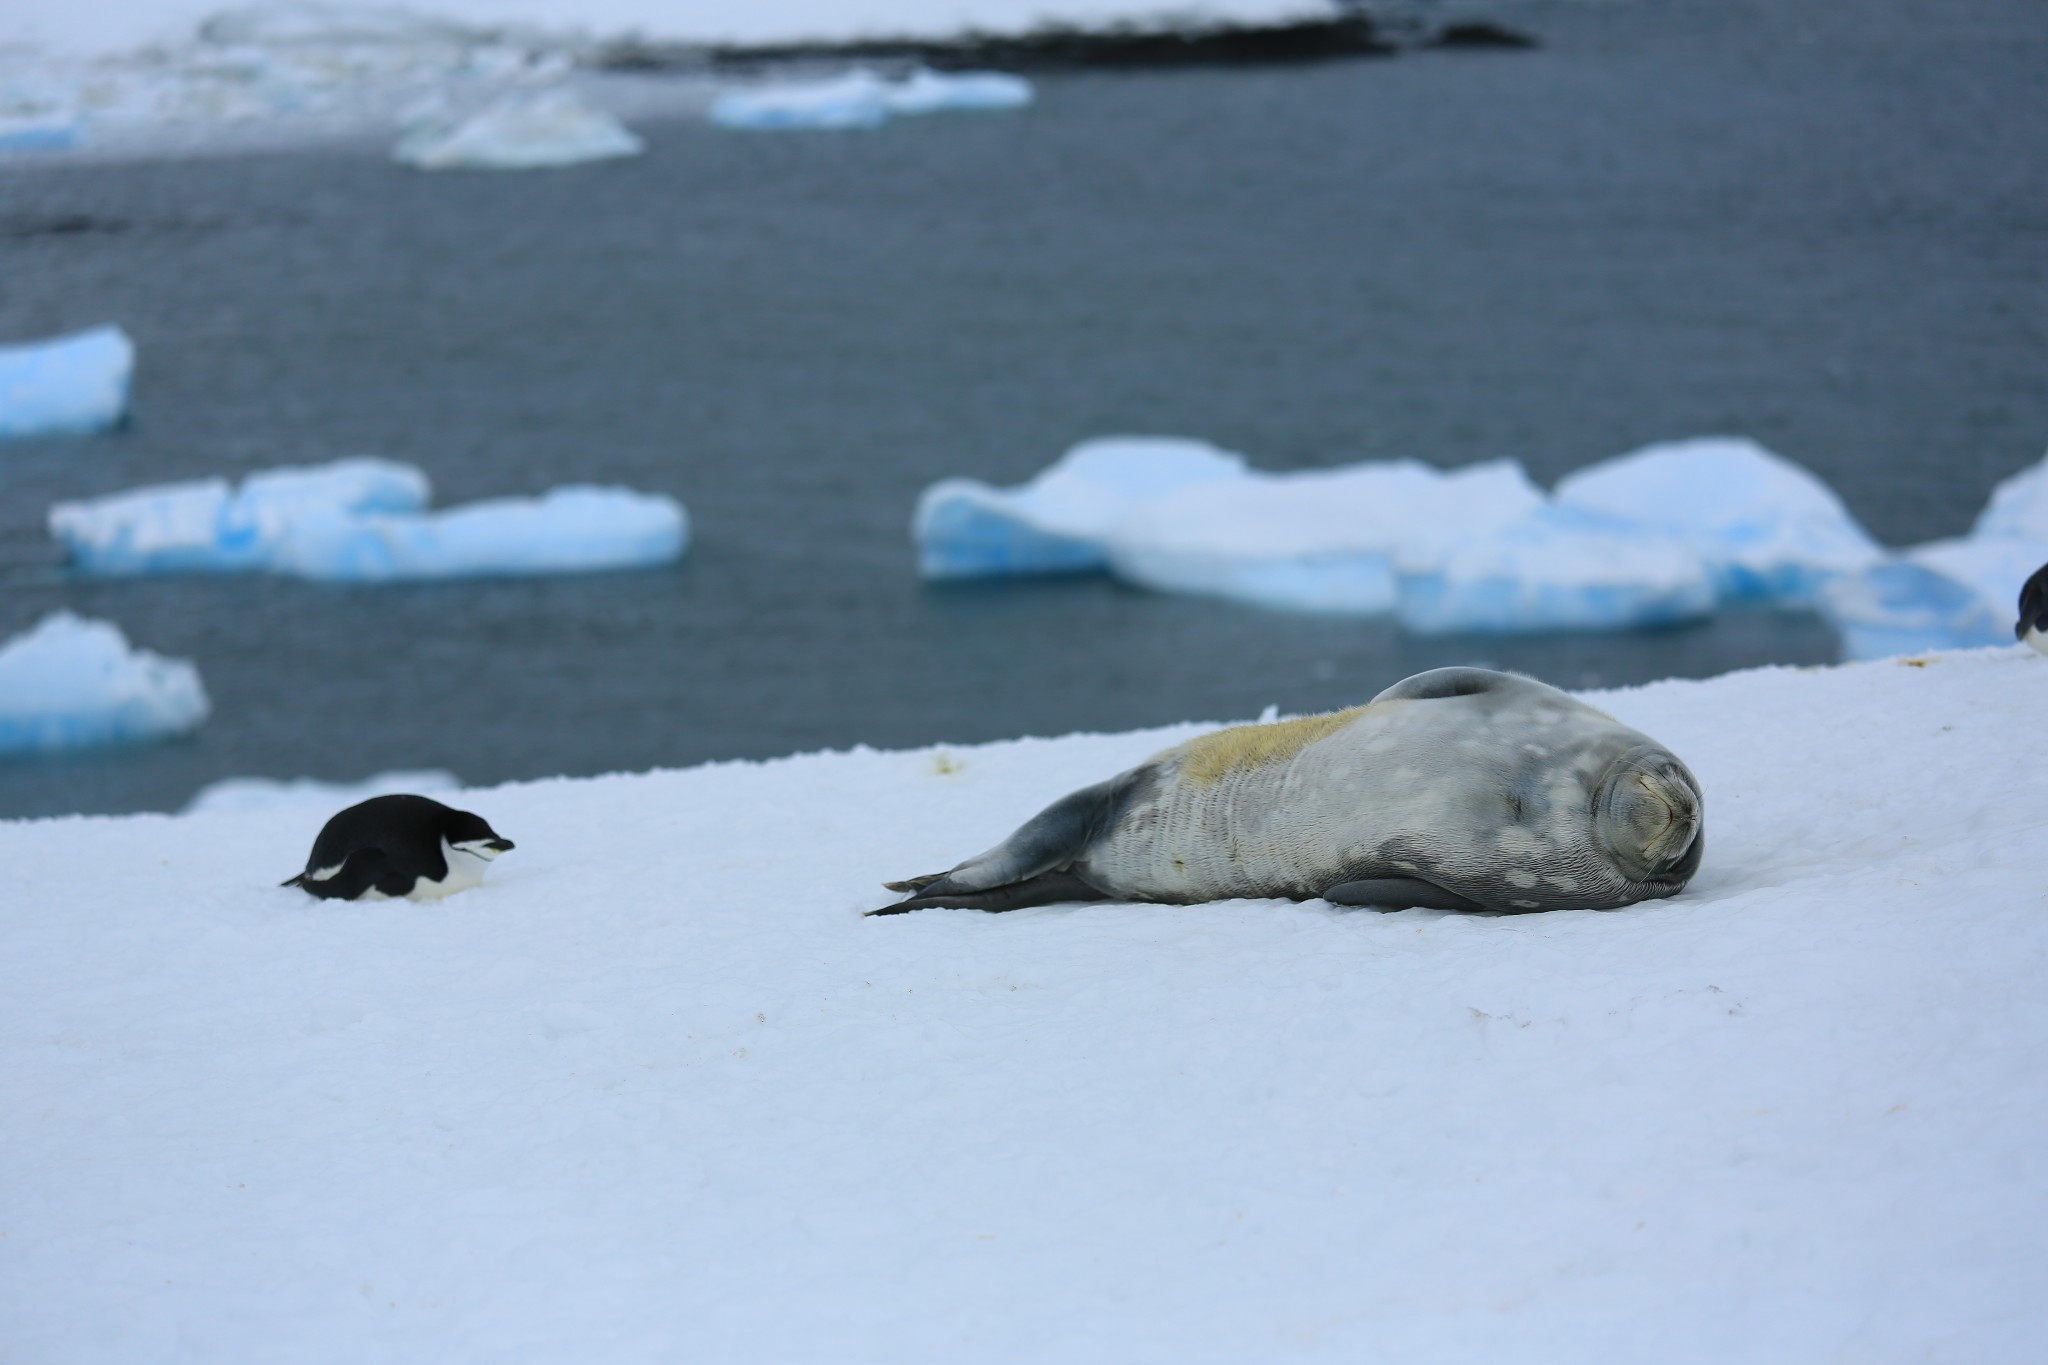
(1029, 867)
(1399, 893)
(1053, 888)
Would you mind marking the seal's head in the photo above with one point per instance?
(1650, 818)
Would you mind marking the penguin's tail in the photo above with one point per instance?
(299, 880)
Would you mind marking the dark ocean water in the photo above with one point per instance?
(1826, 231)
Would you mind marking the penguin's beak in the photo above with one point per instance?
(499, 845)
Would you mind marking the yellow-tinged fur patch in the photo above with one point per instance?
(1205, 760)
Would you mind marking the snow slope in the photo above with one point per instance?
(657, 1092)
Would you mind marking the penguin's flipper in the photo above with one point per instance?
(1053, 888)
(1399, 893)
(359, 872)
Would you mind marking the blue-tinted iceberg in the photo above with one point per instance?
(1899, 606)
(2018, 507)
(518, 133)
(212, 526)
(306, 793)
(71, 683)
(1321, 540)
(1949, 594)
(1060, 521)
(1769, 530)
(862, 99)
(66, 386)
(574, 529)
(1560, 568)
(364, 520)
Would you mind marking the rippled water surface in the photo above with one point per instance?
(1829, 232)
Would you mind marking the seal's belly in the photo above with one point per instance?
(1269, 832)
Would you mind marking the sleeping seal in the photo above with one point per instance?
(1457, 789)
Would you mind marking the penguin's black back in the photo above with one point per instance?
(389, 843)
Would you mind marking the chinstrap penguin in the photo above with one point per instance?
(2032, 627)
(393, 846)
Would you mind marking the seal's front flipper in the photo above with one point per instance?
(1054, 888)
(1399, 893)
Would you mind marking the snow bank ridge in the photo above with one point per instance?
(68, 385)
(72, 683)
(364, 520)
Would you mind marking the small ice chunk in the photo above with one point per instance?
(67, 385)
(1769, 529)
(1560, 568)
(520, 132)
(306, 793)
(578, 528)
(1328, 540)
(857, 99)
(926, 91)
(207, 526)
(71, 683)
(861, 99)
(1901, 606)
(1057, 522)
(58, 134)
(2018, 506)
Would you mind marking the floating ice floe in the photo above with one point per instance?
(72, 683)
(574, 529)
(364, 520)
(211, 526)
(520, 132)
(66, 386)
(1661, 535)
(1769, 530)
(1560, 568)
(862, 99)
(48, 134)
(306, 793)
(1330, 540)
(1949, 594)
(1060, 520)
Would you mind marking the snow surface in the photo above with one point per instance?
(68, 385)
(364, 520)
(520, 132)
(307, 793)
(657, 1092)
(862, 99)
(72, 683)
(113, 26)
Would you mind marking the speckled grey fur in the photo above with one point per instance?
(1501, 791)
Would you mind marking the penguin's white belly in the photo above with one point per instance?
(465, 871)
(2037, 638)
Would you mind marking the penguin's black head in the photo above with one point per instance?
(2033, 605)
(472, 834)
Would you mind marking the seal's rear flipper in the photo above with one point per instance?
(1446, 682)
(1399, 893)
(1054, 888)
